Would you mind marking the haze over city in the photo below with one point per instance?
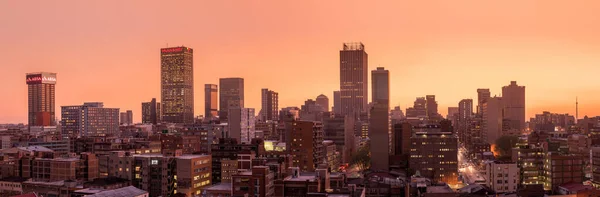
(109, 51)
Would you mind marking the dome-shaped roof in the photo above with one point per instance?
(322, 96)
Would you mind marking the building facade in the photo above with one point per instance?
(305, 142)
(379, 122)
(151, 112)
(270, 105)
(354, 66)
(241, 124)
(177, 84)
(433, 152)
(231, 95)
(514, 105)
(502, 177)
(41, 98)
(89, 119)
(211, 93)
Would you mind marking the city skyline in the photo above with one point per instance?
(563, 46)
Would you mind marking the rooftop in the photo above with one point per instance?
(14, 179)
(191, 156)
(439, 189)
(219, 187)
(129, 191)
(107, 181)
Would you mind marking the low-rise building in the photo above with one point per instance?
(502, 177)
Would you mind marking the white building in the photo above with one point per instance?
(502, 177)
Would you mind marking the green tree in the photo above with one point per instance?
(505, 144)
(362, 158)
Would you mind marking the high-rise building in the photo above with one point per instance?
(465, 113)
(434, 153)
(401, 138)
(228, 148)
(562, 168)
(492, 113)
(241, 124)
(177, 84)
(311, 111)
(379, 122)
(337, 102)
(89, 119)
(304, 141)
(432, 107)
(482, 96)
(451, 112)
(353, 79)
(210, 100)
(419, 109)
(41, 99)
(151, 112)
(323, 101)
(126, 118)
(340, 130)
(514, 105)
(270, 105)
(231, 95)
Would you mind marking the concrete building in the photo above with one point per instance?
(379, 122)
(451, 112)
(231, 95)
(193, 173)
(530, 161)
(305, 143)
(561, 168)
(434, 153)
(241, 124)
(401, 138)
(270, 105)
(177, 84)
(311, 111)
(492, 119)
(432, 107)
(419, 109)
(595, 158)
(337, 103)
(340, 130)
(502, 177)
(323, 101)
(258, 182)
(482, 96)
(354, 66)
(514, 105)
(228, 149)
(229, 167)
(151, 112)
(396, 115)
(41, 98)
(126, 118)
(332, 156)
(89, 119)
(210, 101)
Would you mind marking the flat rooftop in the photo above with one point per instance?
(219, 187)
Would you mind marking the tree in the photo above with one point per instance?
(362, 158)
(505, 144)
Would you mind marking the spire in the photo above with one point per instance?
(576, 109)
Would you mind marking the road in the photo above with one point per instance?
(467, 169)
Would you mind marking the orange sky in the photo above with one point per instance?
(109, 50)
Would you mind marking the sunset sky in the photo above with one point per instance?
(109, 51)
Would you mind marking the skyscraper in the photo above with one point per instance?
(465, 113)
(323, 101)
(432, 107)
(492, 113)
(241, 124)
(40, 91)
(337, 102)
(379, 124)
(210, 100)
(231, 95)
(126, 118)
(514, 105)
(89, 119)
(177, 84)
(151, 112)
(482, 96)
(353, 79)
(270, 105)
